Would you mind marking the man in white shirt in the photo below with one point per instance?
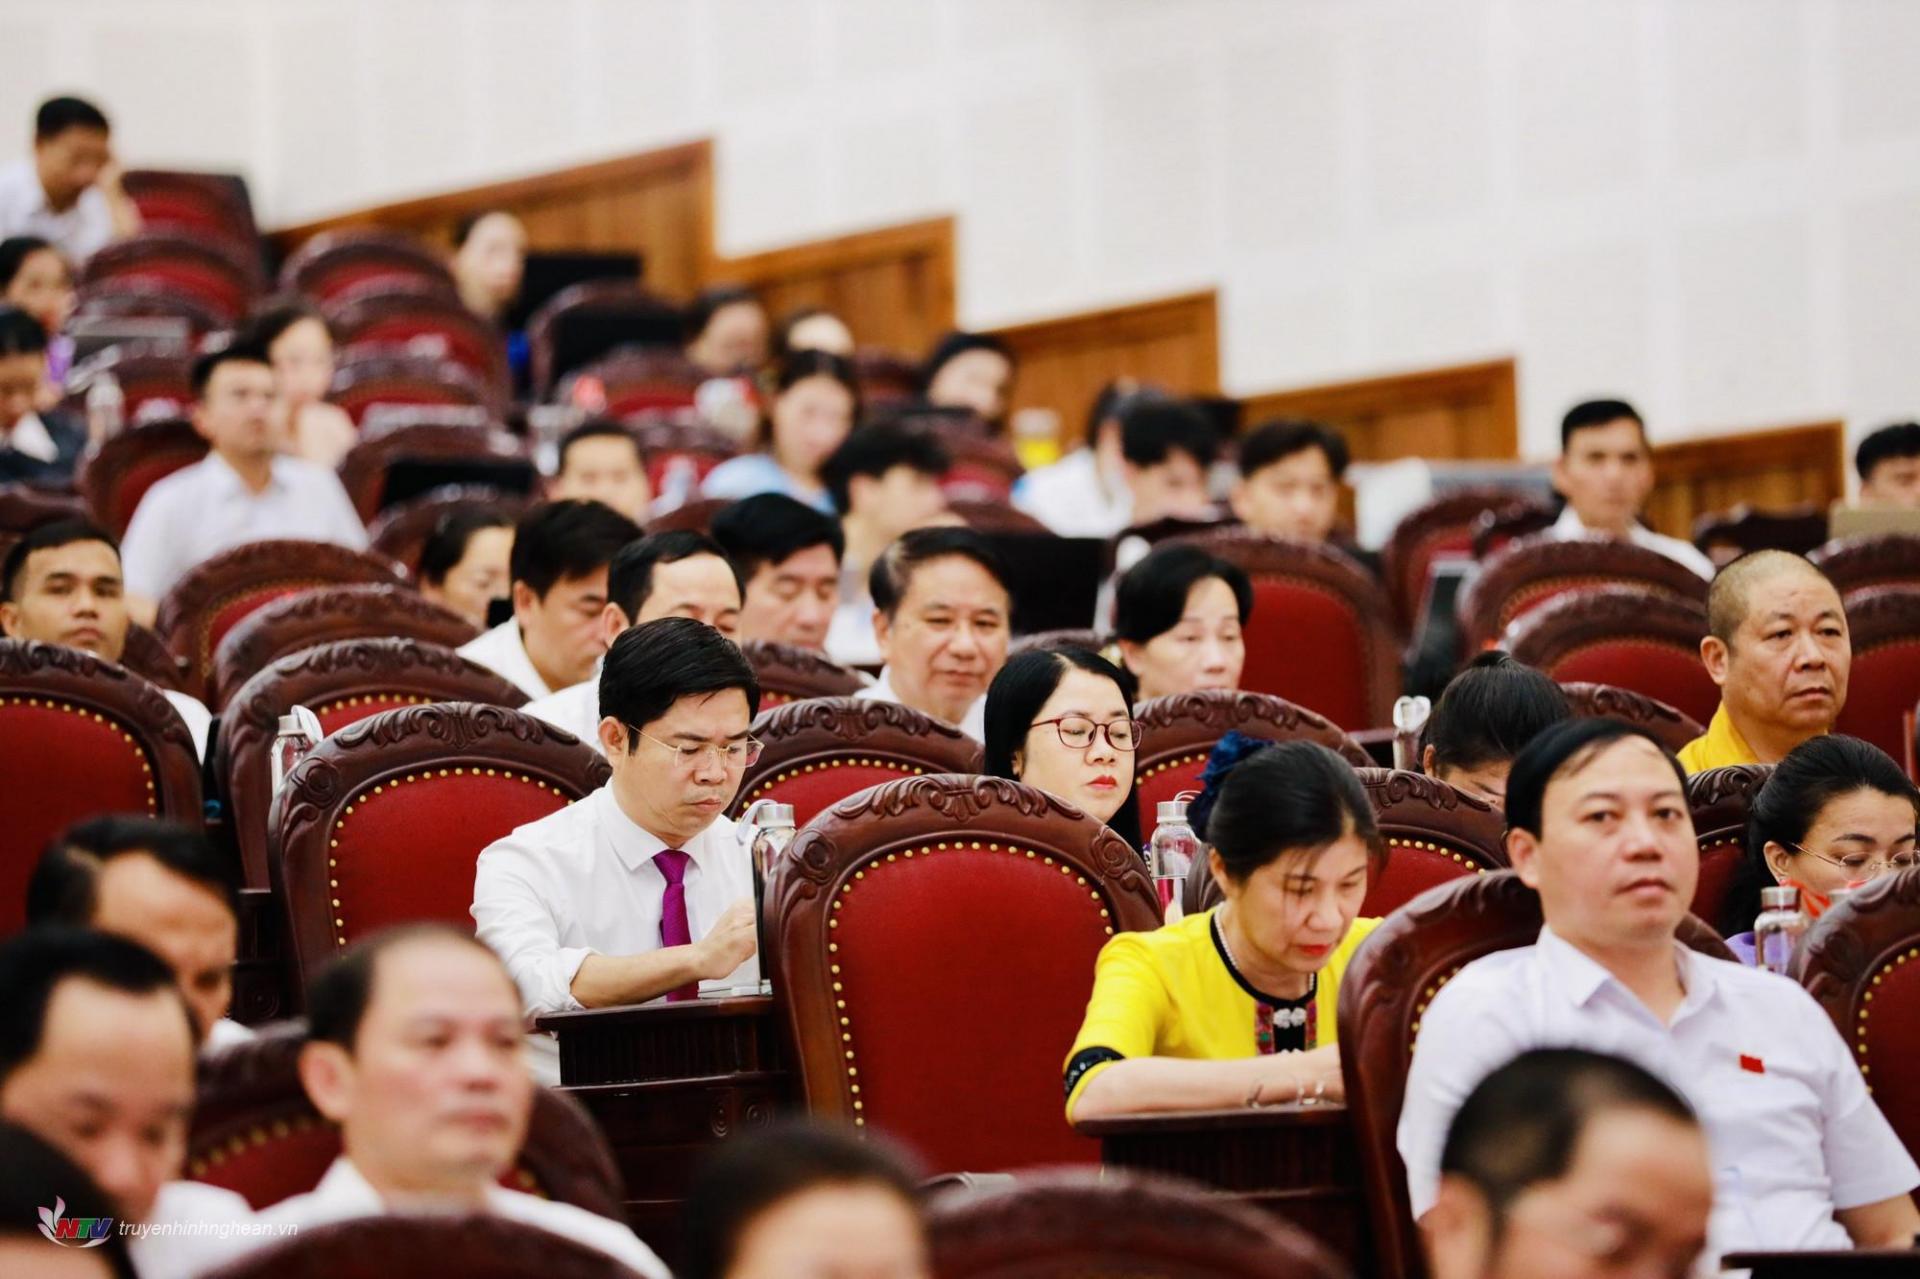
(69, 191)
(788, 558)
(941, 616)
(1598, 824)
(558, 564)
(242, 491)
(675, 574)
(1605, 471)
(1146, 459)
(602, 461)
(61, 584)
(884, 480)
(640, 889)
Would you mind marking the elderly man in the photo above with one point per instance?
(1777, 646)
(941, 614)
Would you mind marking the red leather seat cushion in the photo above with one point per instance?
(1664, 672)
(1892, 1038)
(286, 1163)
(191, 279)
(1304, 644)
(335, 716)
(966, 976)
(813, 793)
(461, 347)
(58, 765)
(238, 607)
(1884, 684)
(627, 400)
(1719, 864)
(1410, 871)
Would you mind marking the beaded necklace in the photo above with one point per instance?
(1297, 1021)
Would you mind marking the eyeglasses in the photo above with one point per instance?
(1077, 732)
(732, 754)
(1871, 867)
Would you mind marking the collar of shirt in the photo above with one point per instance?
(1583, 978)
(346, 1192)
(1570, 525)
(225, 482)
(1719, 747)
(30, 437)
(635, 845)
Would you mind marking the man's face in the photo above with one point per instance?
(20, 380)
(70, 595)
(562, 630)
(1894, 482)
(676, 799)
(1296, 496)
(235, 411)
(734, 339)
(947, 639)
(1615, 862)
(434, 1095)
(900, 501)
(1175, 485)
(483, 573)
(185, 923)
(978, 379)
(70, 161)
(1788, 665)
(605, 469)
(792, 602)
(846, 1230)
(701, 587)
(1606, 474)
(111, 1085)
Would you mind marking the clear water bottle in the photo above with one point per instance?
(768, 826)
(1410, 715)
(1171, 853)
(299, 733)
(1778, 930)
(106, 408)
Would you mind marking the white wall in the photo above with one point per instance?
(1709, 206)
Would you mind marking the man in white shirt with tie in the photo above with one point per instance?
(1605, 471)
(558, 564)
(641, 889)
(242, 491)
(941, 614)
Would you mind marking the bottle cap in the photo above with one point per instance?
(290, 723)
(1172, 810)
(1782, 897)
(776, 815)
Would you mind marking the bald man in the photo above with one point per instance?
(1777, 646)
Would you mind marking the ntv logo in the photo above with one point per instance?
(81, 1232)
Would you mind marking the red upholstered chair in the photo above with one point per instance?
(1626, 636)
(22, 506)
(145, 300)
(212, 272)
(146, 655)
(995, 517)
(1179, 733)
(155, 379)
(335, 263)
(886, 379)
(1443, 526)
(1527, 573)
(1603, 701)
(1859, 958)
(216, 595)
(1393, 977)
(80, 737)
(114, 476)
(934, 939)
(665, 442)
(634, 381)
(375, 378)
(1720, 799)
(215, 205)
(1725, 536)
(823, 749)
(1495, 530)
(485, 1246)
(1112, 1223)
(342, 682)
(1882, 559)
(363, 471)
(1321, 632)
(1884, 624)
(421, 320)
(255, 1133)
(400, 532)
(983, 470)
(790, 674)
(692, 517)
(322, 615)
(382, 822)
(584, 322)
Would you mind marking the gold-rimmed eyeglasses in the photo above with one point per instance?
(740, 754)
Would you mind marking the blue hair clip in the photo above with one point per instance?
(1226, 754)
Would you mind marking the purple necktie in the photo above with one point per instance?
(674, 930)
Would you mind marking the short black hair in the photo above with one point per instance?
(245, 349)
(874, 450)
(1150, 430)
(797, 366)
(64, 886)
(20, 333)
(598, 429)
(955, 344)
(893, 569)
(1590, 413)
(1288, 797)
(1276, 441)
(630, 576)
(711, 302)
(46, 536)
(1491, 710)
(339, 994)
(446, 546)
(769, 528)
(1113, 401)
(1151, 596)
(651, 666)
(275, 316)
(1570, 744)
(1896, 442)
(1023, 686)
(569, 538)
(32, 1170)
(742, 1179)
(57, 115)
(35, 962)
(14, 252)
(1521, 1125)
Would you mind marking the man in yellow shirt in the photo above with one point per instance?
(1777, 646)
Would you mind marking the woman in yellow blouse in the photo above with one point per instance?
(1235, 1006)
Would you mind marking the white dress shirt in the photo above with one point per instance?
(1568, 527)
(1070, 498)
(973, 723)
(198, 720)
(191, 1228)
(502, 651)
(575, 708)
(227, 1033)
(30, 438)
(1792, 1130)
(201, 510)
(77, 232)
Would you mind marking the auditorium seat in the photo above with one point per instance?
(585, 322)
(1496, 530)
(791, 674)
(146, 300)
(1392, 979)
(401, 531)
(631, 382)
(1883, 559)
(1322, 631)
(116, 473)
(1719, 800)
(1724, 536)
(933, 940)
(147, 655)
(22, 506)
(981, 469)
(1884, 625)
(1604, 701)
(671, 445)
(363, 471)
(373, 379)
(336, 263)
(81, 737)
(995, 516)
(217, 594)
(1179, 731)
(382, 822)
(484, 1246)
(256, 1133)
(211, 271)
(215, 205)
(1527, 573)
(823, 749)
(691, 517)
(1860, 957)
(342, 682)
(1443, 526)
(420, 320)
(1112, 1223)
(887, 379)
(1626, 636)
(155, 379)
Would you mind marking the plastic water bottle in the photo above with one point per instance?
(106, 408)
(1410, 715)
(1171, 853)
(299, 733)
(769, 827)
(1779, 929)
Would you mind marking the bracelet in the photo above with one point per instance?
(1253, 1098)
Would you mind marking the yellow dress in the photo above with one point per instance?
(1720, 746)
(1169, 993)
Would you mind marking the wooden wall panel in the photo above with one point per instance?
(1466, 411)
(1173, 342)
(1772, 469)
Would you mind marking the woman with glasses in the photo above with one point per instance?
(1837, 812)
(1061, 720)
(1235, 1006)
